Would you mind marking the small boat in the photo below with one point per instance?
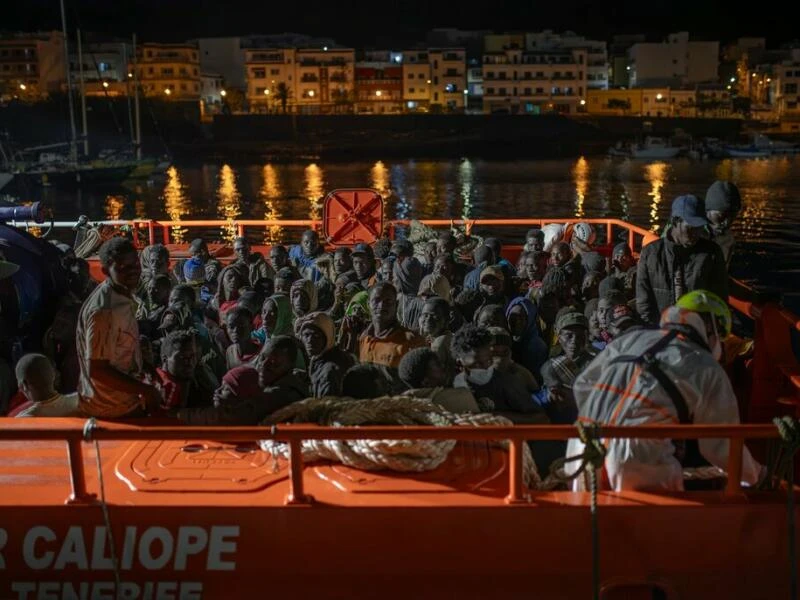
(747, 152)
(58, 171)
(654, 147)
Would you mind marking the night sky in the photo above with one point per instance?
(383, 23)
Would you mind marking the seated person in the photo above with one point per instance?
(385, 341)
(303, 297)
(472, 351)
(156, 298)
(185, 381)
(243, 348)
(231, 281)
(590, 312)
(356, 319)
(284, 280)
(363, 382)
(250, 265)
(423, 373)
(364, 264)
(279, 258)
(467, 303)
(491, 315)
(624, 269)
(528, 349)
(605, 313)
(36, 379)
(533, 266)
(559, 373)
(504, 363)
(433, 326)
(492, 286)
(304, 255)
(327, 363)
(249, 394)
(483, 257)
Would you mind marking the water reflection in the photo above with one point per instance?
(229, 201)
(379, 175)
(656, 174)
(465, 184)
(176, 203)
(270, 194)
(315, 190)
(580, 172)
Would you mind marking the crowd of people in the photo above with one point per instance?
(566, 332)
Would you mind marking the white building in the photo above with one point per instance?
(519, 82)
(675, 62)
(596, 53)
(224, 56)
(435, 79)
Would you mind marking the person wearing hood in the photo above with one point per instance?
(355, 321)
(665, 376)
(243, 348)
(493, 286)
(431, 286)
(408, 273)
(483, 257)
(177, 316)
(680, 262)
(303, 297)
(528, 349)
(327, 363)
(723, 203)
(276, 318)
(230, 282)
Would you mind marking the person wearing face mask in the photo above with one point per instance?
(680, 262)
(665, 376)
(471, 348)
(723, 203)
(423, 373)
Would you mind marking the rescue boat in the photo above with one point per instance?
(144, 511)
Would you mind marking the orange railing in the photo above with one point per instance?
(75, 431)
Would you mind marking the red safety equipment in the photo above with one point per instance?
(352, 216)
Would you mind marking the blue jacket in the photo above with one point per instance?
(305, 264)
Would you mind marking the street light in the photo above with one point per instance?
(167, 91)
(23, 87)
(223, 93)
(583, 102)
(311, 94)
(378, 93)
(659, 96)
(429, 82)
(733, 79)
(266, 92)
(105, 84)
(466, 92)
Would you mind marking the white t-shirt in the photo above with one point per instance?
(107, 330)
(60, 405)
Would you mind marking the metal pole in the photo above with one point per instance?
(83, 95)
(136, 102)
(73, 150)
(128, 92)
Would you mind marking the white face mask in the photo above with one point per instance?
(480, 376)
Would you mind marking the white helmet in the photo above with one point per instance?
(584, 232)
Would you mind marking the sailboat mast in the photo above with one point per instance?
(73, 150)
(128, 93)
(83, 96)
(136, 103)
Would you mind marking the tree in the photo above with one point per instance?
(282, 94)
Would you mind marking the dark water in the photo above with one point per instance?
(768, 252)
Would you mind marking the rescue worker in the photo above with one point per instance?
(663, 376)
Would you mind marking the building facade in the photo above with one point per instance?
(224, 56)
(643, 102)
(786, 91)
(32, 65)
(448, 79)
(520, 82)
(105, 68)
(305, 80)
(378, 87)
(170, 71)
(417, 80)
(596, 53)
(675, 62)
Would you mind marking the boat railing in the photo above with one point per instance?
(75, 432)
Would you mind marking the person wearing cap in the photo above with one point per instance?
(681, 261)
(663, 376)
(364, 264)
(723, 203)
(559, 373)
(327, 363)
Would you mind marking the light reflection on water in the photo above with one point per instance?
(176, 203)
(633, 190)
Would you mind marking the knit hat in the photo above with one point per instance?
(493, 271)
(194, 271)
(435, 285)
(571, 319)
(723, 196)
(243, 382)
(321, 321)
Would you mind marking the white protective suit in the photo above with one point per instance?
(625, 394)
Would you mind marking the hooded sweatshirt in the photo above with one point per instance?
(284, 325)
(622, 393)
(326, 370)
(529, 349)
(311, 290)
